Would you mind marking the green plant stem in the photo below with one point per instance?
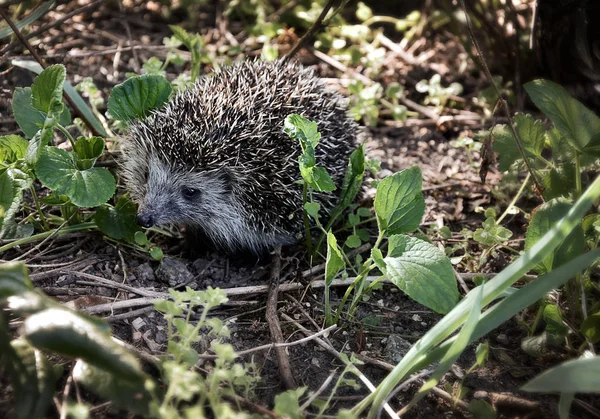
(67, 134)
(41, 236)
(536, 321)
(515, 199)
(39, 208)
(578, 188)
(307, 235)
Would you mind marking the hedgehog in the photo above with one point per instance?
(215, 159)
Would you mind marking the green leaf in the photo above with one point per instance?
(574, 121)
(137, 96)
(574, 376)
(531, 133)
(156, 253)
(353, 241)
(300, 128)
(13, 279)
(423, 272)
(140, 238)
(351, 184)
(32, 376)
(319, 179)
(75, 97)
(287, 404)
(334, 261)
(542, 221)
(85, 188)
(86, 151)
(491, 233)
(312, 209)
(590, 328)
(47, 89)
(555, 325)
(119, 221)
(12, 148)
(7, 195)
(12, 183)
(67, 333)
(133, 396)
(29, 119)
(399, 203)
(363, 12)
(482, 409)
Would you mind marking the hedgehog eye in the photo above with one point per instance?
(189, 193)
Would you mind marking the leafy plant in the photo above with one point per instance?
(415, 266)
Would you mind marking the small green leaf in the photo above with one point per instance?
(287, 404)
(300, 128)
(351, 184)
(119, 221)
(399, 203)
(574, 121)
(531, 133)
(334, 261)
(86, 151)
(137, 96)
(423, 272)
(574, 376)
(29, 119)
(319, 179)
(363, 12)
(85, 188)
(482, 409)
(140, 238)
(13, 279)
(542, 221)
(312, 209)
(353, 241)
(47, 89)
(156, 253)
(554, 322)
(590, 328)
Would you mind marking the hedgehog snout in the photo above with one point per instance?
(145, 219)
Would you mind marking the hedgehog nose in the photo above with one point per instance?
(145, 220)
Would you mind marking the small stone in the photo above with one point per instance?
(502, 338)
(161, 337)
(480, 394)
(417, 318)
(395, 349)
(173, 272)
(145, 273)
(315, 362)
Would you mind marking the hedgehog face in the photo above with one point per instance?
(177, 196)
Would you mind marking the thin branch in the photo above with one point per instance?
(316, 26)
(285, 370)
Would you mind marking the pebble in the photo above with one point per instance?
(173, 272)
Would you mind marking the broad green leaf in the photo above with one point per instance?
(531, 133)
(559, 181)
(334, 261)
(7, 195)
(399, 203)
(590, 328)
(574, 121)
(67, 333)
(86, 151)
(423, 272)
(542, 221)
(85, 188)
(133, 396)
(480, 409)
(47, 89)
(13, 279)
(137, 96)
(574, 376)
(76, 98)
(12, 148)
(12, 183)
(318, 179)
(303, 130)
(118, 222)
(30, 120)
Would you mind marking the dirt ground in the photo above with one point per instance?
(93, 44)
